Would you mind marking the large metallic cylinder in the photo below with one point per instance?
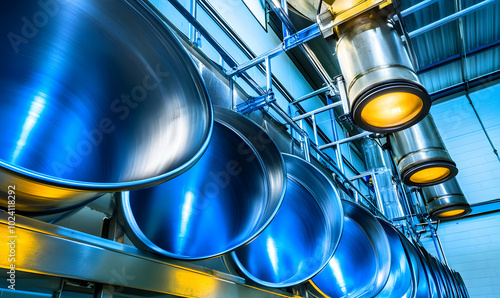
(401, 281)
(361, 264)
(445, 200)
(421, 156)
(97, 96)
(383, 89)
(223, 202)
(302, 238)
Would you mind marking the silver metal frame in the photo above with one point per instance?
(72, 254)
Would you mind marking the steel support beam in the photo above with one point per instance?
(310, 95)
(314, 112)
(463, 86)
(288, 43)
(457, 57)
(47, 249)
(346, 140)
(417, 7)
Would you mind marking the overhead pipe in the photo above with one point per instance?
(445, 201)
(223, 202)
(421, 155)
(302, 238)
(80, 120)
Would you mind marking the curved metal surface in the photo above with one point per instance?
(432, 285)
(223, 202)
(98, 96)
(445, 197)
(424, 288)
(361, 265)
(401, 282)
(374, 62)
(418, 148)
(433, 273)
(302, 238)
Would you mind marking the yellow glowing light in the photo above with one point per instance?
(392, 109)
(430, 175)
(452, 213)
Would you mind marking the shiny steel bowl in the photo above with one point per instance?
(97, 96)
(424, 288)
(433, 275)
(224, 201)
(302, 238)
(401, 282)
(361, 265)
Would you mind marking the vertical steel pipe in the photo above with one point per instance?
(383, 89)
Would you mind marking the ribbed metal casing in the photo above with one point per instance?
(374, 62)
(418, 148)
(445, 197)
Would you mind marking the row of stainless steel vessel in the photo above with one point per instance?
(99, 102)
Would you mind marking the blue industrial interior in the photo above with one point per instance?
(454, 47)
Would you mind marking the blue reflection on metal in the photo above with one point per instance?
(36, 108)
(221, 203)
(97, 96)
(360, 266)
(300, 241)
(400, 283)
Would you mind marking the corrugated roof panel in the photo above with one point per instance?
(483, 26)
(483, 63)
(429, 14)
(437, 44)
(442, 77)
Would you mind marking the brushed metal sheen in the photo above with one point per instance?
(421, 147)
(361, 264)
(97, 96)
(221, 203)
(445, 197)
(302, 238)
(374, 62)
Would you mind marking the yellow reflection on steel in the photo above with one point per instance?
(392, 109)
(452, 213)
(430, 175)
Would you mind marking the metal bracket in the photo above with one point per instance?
(338, 14)
(255, 103)
(301, 37)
